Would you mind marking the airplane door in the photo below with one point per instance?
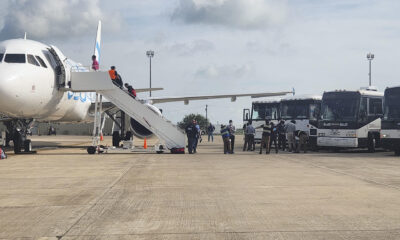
(61, 72)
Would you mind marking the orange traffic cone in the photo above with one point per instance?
(101, 137)
(145, 143)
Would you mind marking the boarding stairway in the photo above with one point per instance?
(100, 82)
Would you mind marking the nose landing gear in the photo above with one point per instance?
(19, 130)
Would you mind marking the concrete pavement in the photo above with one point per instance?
(64, 193)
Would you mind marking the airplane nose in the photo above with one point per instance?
(9, 95)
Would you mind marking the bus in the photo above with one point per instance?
(351, 119)
(390, 133)
(305, 110)
(261, 110)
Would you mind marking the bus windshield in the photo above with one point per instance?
(262, 111)
(295, 110)
(392, 106)
(340, 109)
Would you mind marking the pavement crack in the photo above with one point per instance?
(98, 200)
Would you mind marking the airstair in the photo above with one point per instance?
(169, 134)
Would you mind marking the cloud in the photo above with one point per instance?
(231, 71)
(243, 14)
(43, 19)
(189, 49)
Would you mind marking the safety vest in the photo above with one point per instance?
(112, 74)
(267, 129)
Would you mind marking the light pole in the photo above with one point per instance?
(206, 113)
(150, 54)
(370, 57)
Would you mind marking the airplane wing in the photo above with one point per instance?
(231, 96)
(139, 90)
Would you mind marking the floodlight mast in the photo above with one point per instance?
(370, 57)
(150, 54)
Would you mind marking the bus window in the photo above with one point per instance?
(375, 106)
(315, 111)
(258, 112)
(363, 109)
(1, 57)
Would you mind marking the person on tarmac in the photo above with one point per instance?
(191, 133)
(274, 136)
(246, 137)
(249, 132)
(302, 146)
(266, 135)
(95, 63)
(252, 133)
(232, 131)
(198, 138)
(210, 132)
(225, 138)
(281, 135)
(290, 135)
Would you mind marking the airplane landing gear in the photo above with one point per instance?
(20, 130)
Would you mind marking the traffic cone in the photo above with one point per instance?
(145, 143)
(101, 137)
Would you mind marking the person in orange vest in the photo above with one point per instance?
(115, 77)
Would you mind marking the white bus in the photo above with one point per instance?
(390, 133)
(351, 119)
(305, 110)
(260, 111)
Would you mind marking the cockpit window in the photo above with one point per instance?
(15, 58)
(41, 61)
(32, 60)
(50, 59)
(1, 56)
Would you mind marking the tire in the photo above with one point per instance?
(91, 150)
(28, 145)
(159, 152)
(17, 139)
(397, 152)
(371, 143)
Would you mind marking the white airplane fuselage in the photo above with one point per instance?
(31, 91)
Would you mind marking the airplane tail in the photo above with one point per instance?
(97, 45)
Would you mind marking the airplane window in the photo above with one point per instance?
(32, 60)
(15, 58)
(50, 59)
(41, 61)
(1, 56)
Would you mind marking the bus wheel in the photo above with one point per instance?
(371, 143)
(397, 152)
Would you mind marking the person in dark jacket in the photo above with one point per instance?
(232, 131)
(281, 135)
(210, 132)
(225, 137)
(274, 136)
(131, 90)
(191, 132)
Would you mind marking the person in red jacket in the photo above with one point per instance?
(131, 90)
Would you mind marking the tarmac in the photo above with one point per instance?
(63, 193)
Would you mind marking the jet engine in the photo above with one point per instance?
(138, 129)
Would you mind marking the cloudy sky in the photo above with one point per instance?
(222, 46)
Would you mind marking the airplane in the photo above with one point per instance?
(34, 88)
